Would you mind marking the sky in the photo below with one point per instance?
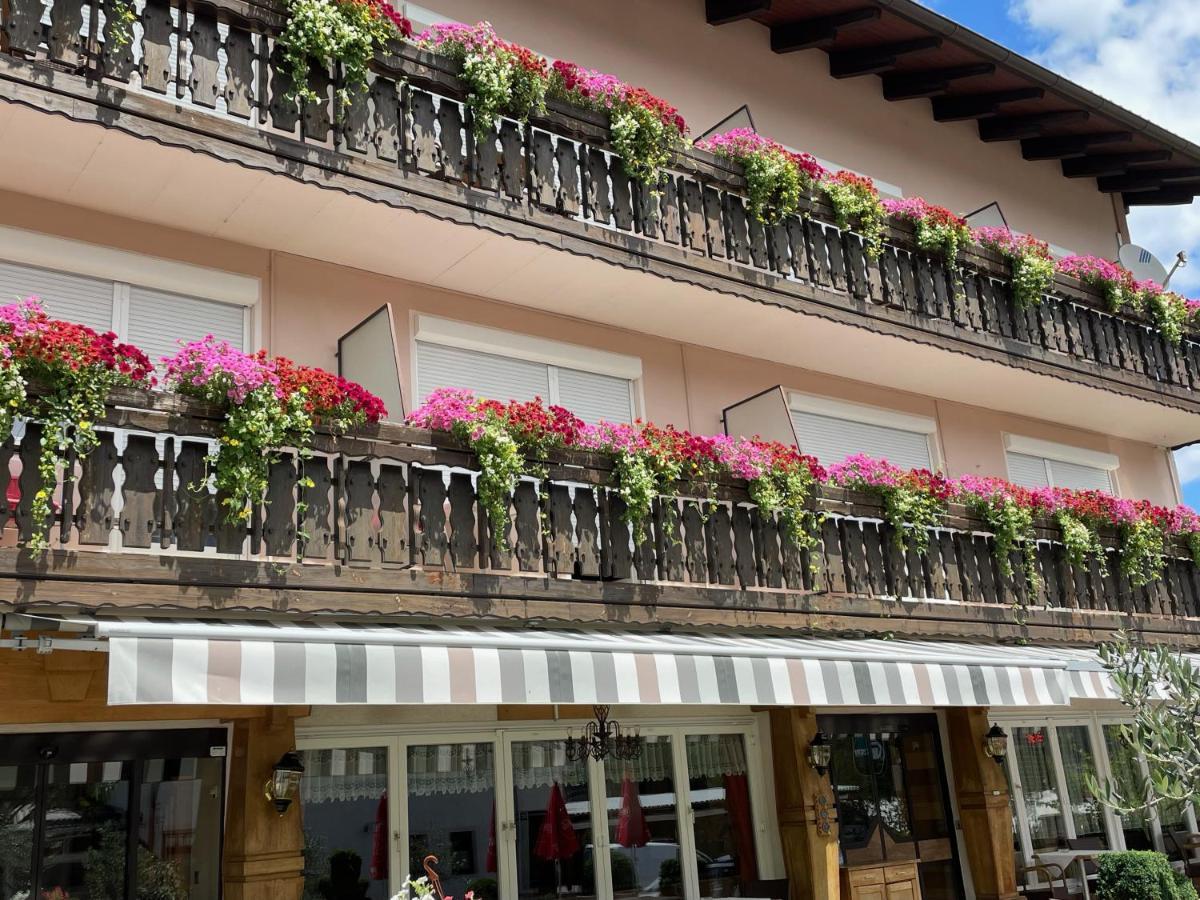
(1142, 54)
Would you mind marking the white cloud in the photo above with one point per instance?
(1187, 461)
(1143, 55)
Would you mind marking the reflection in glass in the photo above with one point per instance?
(86, 827)
(1087, 813)
(179, 829)
(1128, 778)
(451, 814)
(723, 825)
(554, 823)
(643, 823)
(343, 795)
(17, 814)
(1031, 749)
(872, 798)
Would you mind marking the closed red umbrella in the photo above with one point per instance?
(557, 839)
(632, 830)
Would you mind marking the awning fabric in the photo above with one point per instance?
(178, 661)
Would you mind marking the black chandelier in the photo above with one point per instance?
(601, 739)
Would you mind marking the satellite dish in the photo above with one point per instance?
(1142, 263)
(367, 354)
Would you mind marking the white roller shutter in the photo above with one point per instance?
(486, 375)
(159, 321)
(594, 397)
(88, 301)
(1027, 471)
(831, 440)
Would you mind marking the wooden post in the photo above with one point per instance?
(811, 857)
(263, 850)
(983, 805)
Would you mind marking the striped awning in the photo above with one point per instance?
(170, 660)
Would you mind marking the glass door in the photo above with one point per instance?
(112, 815)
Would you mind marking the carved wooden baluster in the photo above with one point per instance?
(317, 118)
(760, 255)
(393, 538)
(239, 71)
(720, 545)
(693, 217)
(895, 568)
(838, 275)
(745, 561)
(619, 552)
(738, 227)
(205, 41)
(453, 163)
(464, 539)
(777, 249)
(560, 553)
(672, 221)
(139, 514)
(587, 533)
(195, 506)
(116, 53)
(695, 550)
(714, 222)
(230, 530)
(622, 195)
(766, 542)
(512, 160)
(497, 540)
(158, 61)
(279, 515)
(385, 119)
(429, 541)
(94, 515)
(568, 197)
(542, 189)
(529, 527)
(645, 565)
(65, 42)
(668, 539)
(23, 28)
(649, 200)
(854, 545)
(797, 247)
(317, 522)
(818, 252)
(283, 106)
(361, 546)
(795, 564)
(487, 162)
(596, 202)
(836, 580)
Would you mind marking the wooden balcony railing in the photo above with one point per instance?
(394, 499)
(207, 75)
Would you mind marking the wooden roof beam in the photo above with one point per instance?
(1015, 128)
(819, 31)
(879, 58)
(1164, 197)
(1149, 181)
(1070, 144)
(930, 82)
(978, 106)
(722, 12)
(1111, 163)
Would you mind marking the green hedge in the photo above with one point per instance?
(1141, 875)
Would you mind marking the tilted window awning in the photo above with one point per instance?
(206, 661)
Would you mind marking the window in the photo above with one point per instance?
(150, 302)
(1033, 463)
(508, 815)
(593, 384)
(832, 430)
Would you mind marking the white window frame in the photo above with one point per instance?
(1055, 452)
(126, 269)
(865, 414)
(551, 353)
(398, 738)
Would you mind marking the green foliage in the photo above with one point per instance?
(1032, 277)
(329, 32)
(501, 464)
(1011, 525)
(790, 491)
(855, 199)
(104, 871)
(1143, 545)
(911, 512)
(643, 141)
(1140, 875)
(1080, 542)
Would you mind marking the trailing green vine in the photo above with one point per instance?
(855, 201)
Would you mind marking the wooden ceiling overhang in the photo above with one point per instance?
(918, 54)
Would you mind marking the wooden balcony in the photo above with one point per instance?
(392, 526)
(205, 75)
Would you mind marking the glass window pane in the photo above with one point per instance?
(343, 798)
(873, 811)
(554, 822)
(1128, 778)
(724, 826)
(1075, 747)
(17, 816)
(452, 815)
(179, 829)
(644, 823)
(86, 830)
(1031, 747)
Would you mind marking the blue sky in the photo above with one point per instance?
(1142, 54)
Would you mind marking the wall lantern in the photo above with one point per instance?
(995, 744)
(281, 788)
(602, 738)
(820, 751)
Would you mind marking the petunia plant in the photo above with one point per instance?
(938, 230)
(1111, 279)
(855, 201)
(329, 32)
(914, 501)
(777, 178)
(76, 368)
(1032, 265)
(1171, 313)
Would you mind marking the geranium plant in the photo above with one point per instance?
(328, 32)
(855, 201)
(914, 501)
(1114, 281)
(76, 368)
(1171, 313)
(938, 230)
(269, 404)
(502, 78)
(1032, 265)
(645, 129)
(777, 178)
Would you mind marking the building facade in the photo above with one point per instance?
(157, 663)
